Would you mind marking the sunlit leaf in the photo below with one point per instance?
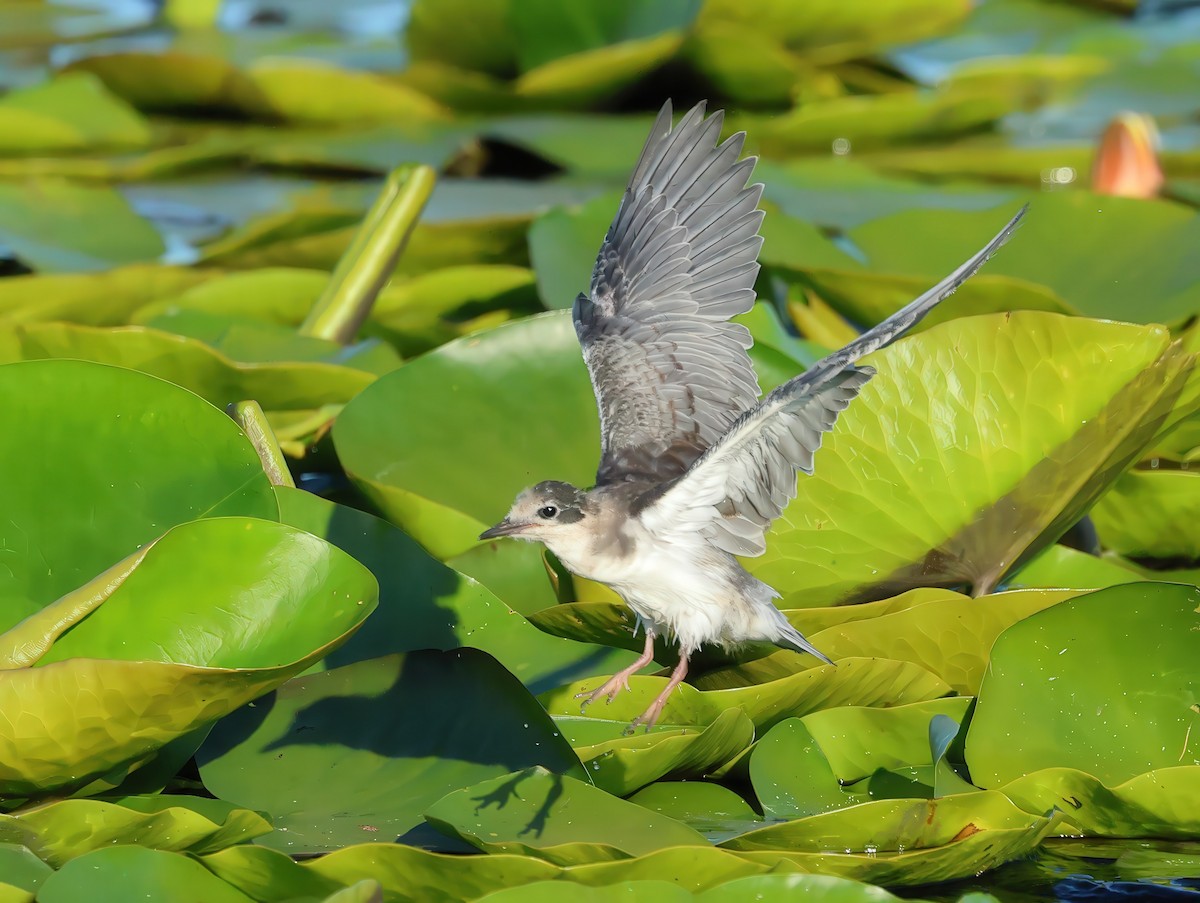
(71, 113)
(133, 872)
(1105, 683)
(65, 829)
(174, 641)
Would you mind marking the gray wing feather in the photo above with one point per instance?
(733, 492)
(670, 373)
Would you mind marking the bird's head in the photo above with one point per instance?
(546, 512)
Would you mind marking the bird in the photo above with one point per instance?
(694, 466)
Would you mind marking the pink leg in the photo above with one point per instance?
(620, 680)
(648, 717)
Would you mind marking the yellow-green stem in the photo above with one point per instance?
(253, 421)
(369, 261)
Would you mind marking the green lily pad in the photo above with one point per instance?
(147, 433)
(71, 113)
(633, 891)
(133, 872)
(950, 637)
(22, 871)
(858, 740)
(554, 817)
(1063, 566)
(109, 298)
(442, 499)
(1160, 803)
(1149, 514)
(389, 736)
(713, 810)
(1105, 683)
(177, 639)
(424, 604)
(791, 775)
(903, 842)
(66, 829)
(57, 226)
(267, 874)
(854, 681)
(1004, 488)
(277, 386)
(622, 764)
(1104, 246)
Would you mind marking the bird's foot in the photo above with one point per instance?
(609, 689)
(647, 719)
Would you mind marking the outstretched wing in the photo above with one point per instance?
(731, 494)
(669, 370)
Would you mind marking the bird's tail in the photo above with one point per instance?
(791, 638)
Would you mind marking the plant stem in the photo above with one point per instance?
(250, 417)
(369, 261)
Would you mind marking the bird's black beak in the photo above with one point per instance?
(504, 528)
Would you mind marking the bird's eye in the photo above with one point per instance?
(548, 512)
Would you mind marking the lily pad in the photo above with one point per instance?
(92, 299)
(66, 829)
(1105, 683)
(1160, 803)
(791, 775)
(297, 385)
(1002, 489)
(554, 817)
(71, 113)
(713, 810)
(57, 226)
(175, 639)
(903, 842)
(854, 681)
(143, 433)
(858, 740)
(950, 637)
(624, 764)
(133, 872)
(389, 736)
(1149, 513)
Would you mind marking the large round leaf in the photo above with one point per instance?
(1106, 683)
(979, 442)
(388, 737)
(106, 461)
(136, 873)
(212, 615)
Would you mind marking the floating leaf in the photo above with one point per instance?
(903, 842)
(554, 817)
(713, 810)
(854, 681)
(56, 226)
(858, 740)
(92, 299)
(1149, 513)
(950, 637)
(389, 736)
(1105, 683)
(65, 829)
(1160, 803)
(81, 506)
(1018, 471)
(133, 872)
(71, 113)
(791, 775)
(624, 764)
(276, 386)
(174, 640)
